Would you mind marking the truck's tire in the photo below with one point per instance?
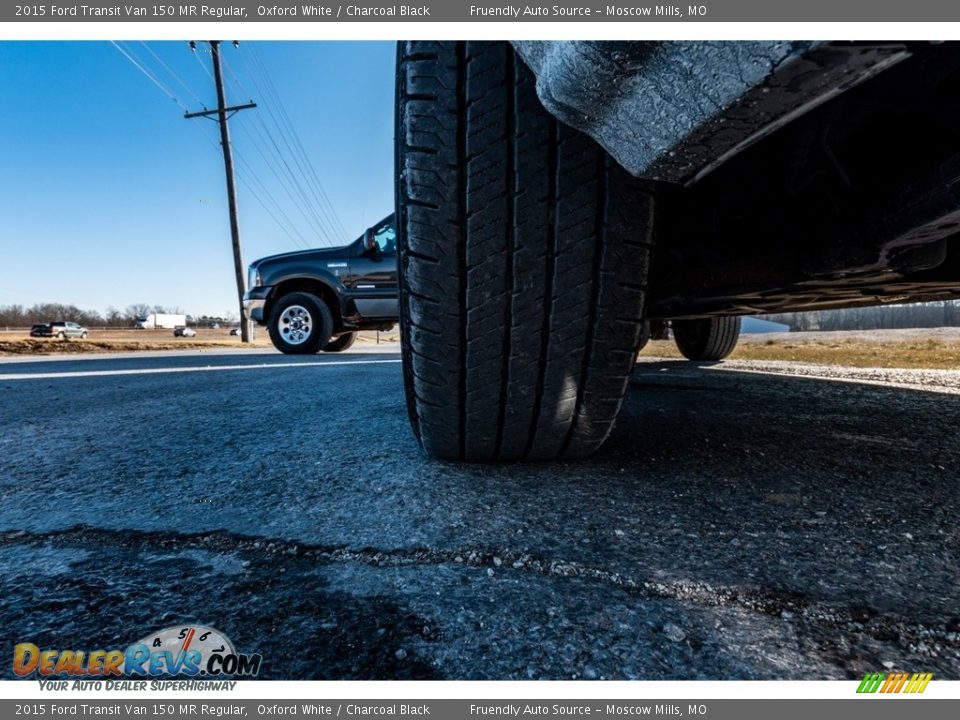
(524, 251)
(707, 338)
(341, 343)
(300, 324)
(644, 336)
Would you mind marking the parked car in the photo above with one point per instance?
(59, 329)
(184, 332)
(214, 326)
(235, 332)
(552, 198)
(315, 300)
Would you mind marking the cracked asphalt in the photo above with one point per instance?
(743, 521)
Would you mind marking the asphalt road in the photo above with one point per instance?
(740, 523)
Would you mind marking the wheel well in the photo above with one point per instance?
(315, 287)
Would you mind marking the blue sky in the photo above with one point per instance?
(108, 196)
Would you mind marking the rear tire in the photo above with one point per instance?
(707, 339)
(300, 324)
(644, 336)
(344, 342)
(524, 251)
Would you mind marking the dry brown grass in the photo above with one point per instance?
(833, 349)
(929, 353)
(104, 341)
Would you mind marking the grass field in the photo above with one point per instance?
(102, 341)
(936, 348)
(926, 349)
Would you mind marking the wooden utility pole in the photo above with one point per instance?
(224, 113)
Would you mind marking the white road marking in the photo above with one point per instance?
(195, 368)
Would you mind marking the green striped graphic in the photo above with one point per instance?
(871, 683)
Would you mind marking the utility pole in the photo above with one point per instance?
(222, 114)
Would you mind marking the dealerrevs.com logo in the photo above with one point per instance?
(186, 650)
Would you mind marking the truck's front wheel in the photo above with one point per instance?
(300, 324)
(523, 262)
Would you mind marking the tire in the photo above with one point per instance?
(61, 336)
(83, 336)
(341, 343)
(524, 252)
(644, 336)
(707, 339)
(300, 324)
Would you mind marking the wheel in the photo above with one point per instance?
(523, 262)
(707, 338)
(300, 324)
(61, 336)
(341, 343)
(83, 336)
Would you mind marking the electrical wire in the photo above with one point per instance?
(150, 75)
(290, 188)
(202, 66)
(271, 142)
(316, 225)
(242, 178)
(129, 55)
(174, 75)
(259, 75)
(321, 192)
(296, 137)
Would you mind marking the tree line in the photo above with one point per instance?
(20, 316)
(943, 313)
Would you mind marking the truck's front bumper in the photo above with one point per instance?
(253, 302)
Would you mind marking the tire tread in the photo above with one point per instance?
(524, 252)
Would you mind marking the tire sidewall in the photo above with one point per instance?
(343, 342)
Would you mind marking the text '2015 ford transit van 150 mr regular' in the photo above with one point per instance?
(553, 198)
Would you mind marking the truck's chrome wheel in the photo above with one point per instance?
(295, 324)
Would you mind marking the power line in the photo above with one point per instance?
(152, 77)
(172, 73)
(129, 55)
(322, 223)
(316, 225)
(296, 137)
(248, 169)
(200, 63)
(301, 242)
(288, 134)
(286, 116)
(289, 186)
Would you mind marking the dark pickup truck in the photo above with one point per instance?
(314, 300)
